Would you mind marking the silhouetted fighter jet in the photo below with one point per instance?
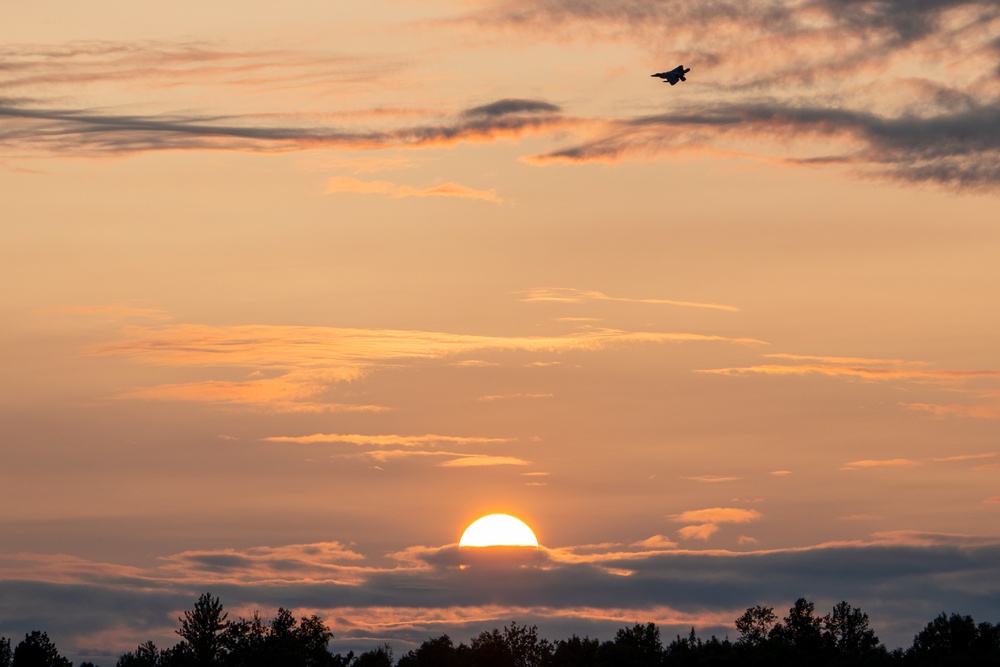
(674, 75)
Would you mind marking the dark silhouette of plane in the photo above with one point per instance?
(674, 75)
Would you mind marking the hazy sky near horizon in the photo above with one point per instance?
(293, 295)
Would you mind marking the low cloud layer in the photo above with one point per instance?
(902, 580)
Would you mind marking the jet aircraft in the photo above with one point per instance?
(674, 75)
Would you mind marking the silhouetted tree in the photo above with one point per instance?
(313, 637)
(5, 653)
(955, 640)
(145, 655)
(801, 628)
(203, 630)
(575, 652)
(637, 646)
(377, 657)
(37, 650)
(848, 632)
(433, 652)
(516, 646)
(437, 652)
(755, 625)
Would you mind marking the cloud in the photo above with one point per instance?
(509, 107)
(572, 295)
(781, 29)
(35, 128)
(481, 460)
(346, 184)
(713, 479)
(866, 369)
(966, 457)
(707, 521)
(718, 515)
(301, 364)
(907, 463)
(880, 463)
(505, 397)
(152, 65)
(656, 542)
(698, 532)
(802, 84)
(990, 411)
(386, 440)
(954, 148)
(411, 594)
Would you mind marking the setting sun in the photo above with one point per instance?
(498, 530)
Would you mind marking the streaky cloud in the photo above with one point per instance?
(880, 463)
(67, 131)
(386, 440)
(511, 106)
(483, 460)
(573, 295)
(960, 148)
(304, 362)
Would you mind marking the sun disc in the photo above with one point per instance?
(496, 530)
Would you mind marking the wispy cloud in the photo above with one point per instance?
(505, 397)
(484, 460)
(803, 84)
(67, 131)
(980, 411)
(880, 463)
(391, 447)
(386, 440)
(573, 295)
(708, 521)
(347, 184)
(300, 364)
(908, 463)
(966, 457)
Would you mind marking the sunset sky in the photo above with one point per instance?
(294, 293)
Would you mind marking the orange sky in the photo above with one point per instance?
(294, 296)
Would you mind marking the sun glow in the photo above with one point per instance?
(496, 530)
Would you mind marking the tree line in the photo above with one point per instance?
(840, 638)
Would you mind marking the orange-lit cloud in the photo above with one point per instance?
(572, 295)
(504, 397)
(44, 130)
(385, 440)
(456, 459)
(707, 521)
(346, 184)
(909, 463)
(481, 460)
(713, 479)
(718, 515)
(966, 457)
(698, 532)
(656, 542)
(957, 410)
(880, 463)
(302, 363)
(960, 381)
